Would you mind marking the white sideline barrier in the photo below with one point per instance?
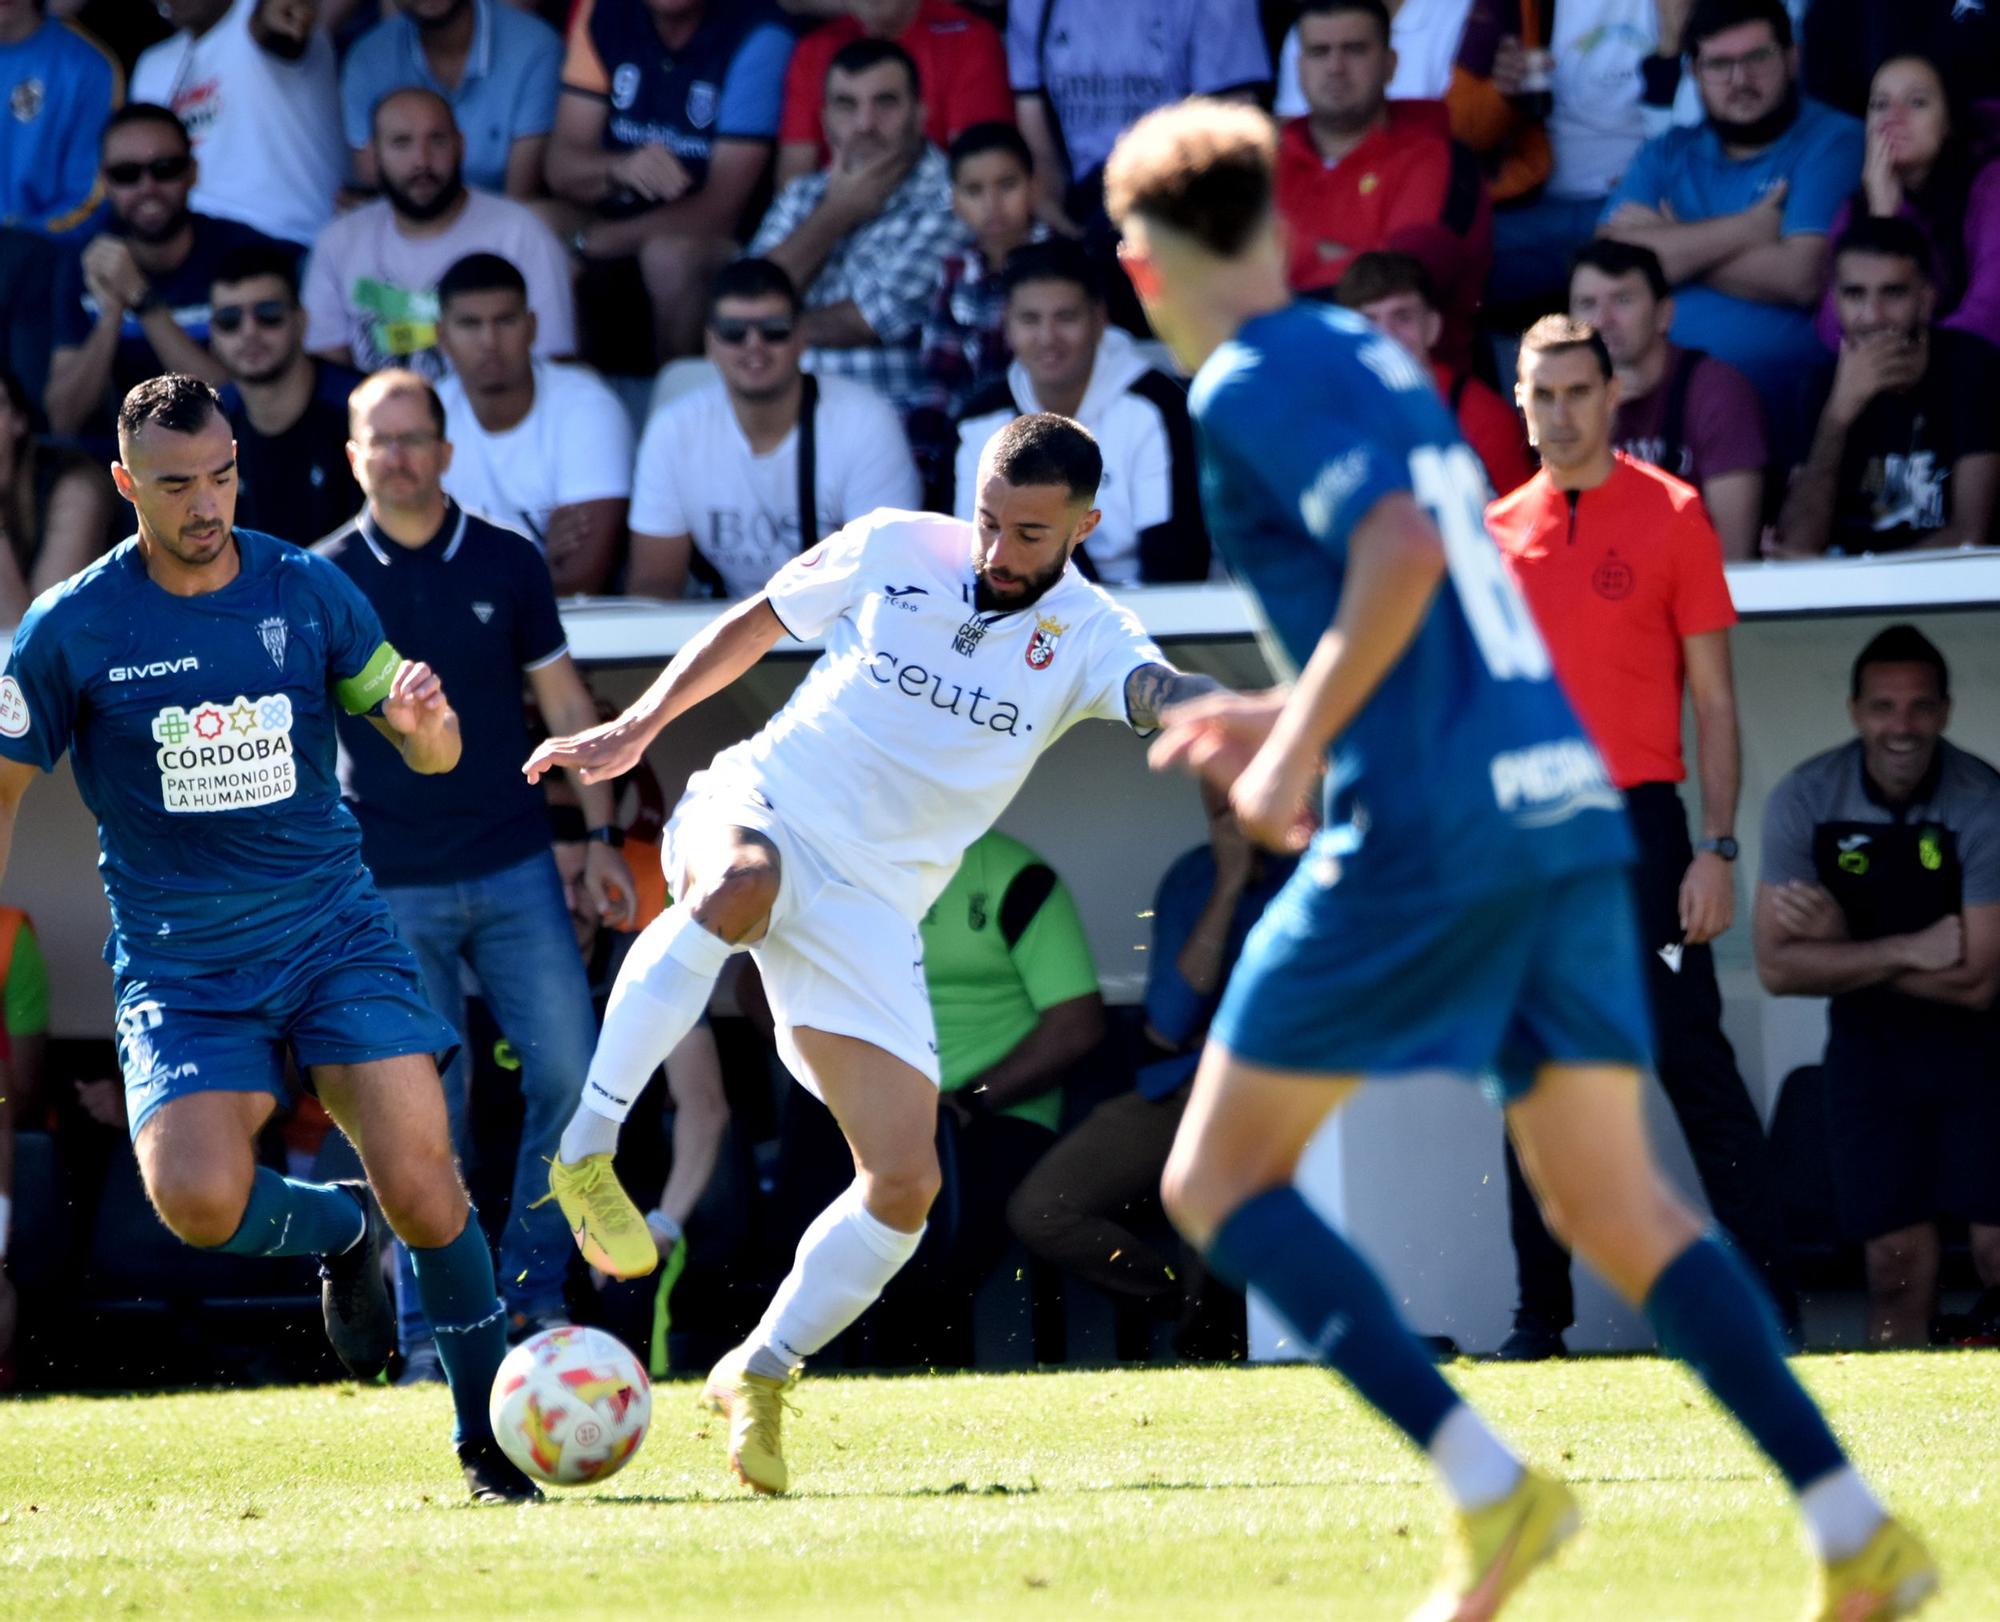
(1414, 1174)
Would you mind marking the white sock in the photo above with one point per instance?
(1476, 1467)
(845, 1260)
(1841, 1513)
(663, 985)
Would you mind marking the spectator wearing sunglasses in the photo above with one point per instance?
(721, 487)
(542, 449)
(134, 303)
(287, 409)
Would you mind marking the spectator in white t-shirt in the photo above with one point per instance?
(256, 85)
(536, 447)
(371, 287)
(719, 483)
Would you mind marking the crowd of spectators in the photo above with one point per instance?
(851, 239)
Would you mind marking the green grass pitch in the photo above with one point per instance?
(1200, 1493)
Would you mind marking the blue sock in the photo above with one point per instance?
(455, 1282)
(1336, 1306)
(285, 1218)
(1708, 1311)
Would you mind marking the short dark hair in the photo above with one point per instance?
(1555, 333)
(1378, 275)
(1712, 17)
(859, 55)
(145, 112)
(253, 259)
(752, 278)
(1900, 645)
(1043, 448)
(992, 136)
(173, 401)
(1201, 167)
(1335, 8)
(481, 273)
(1610, 257)
(1888, 235)
(1055, 260)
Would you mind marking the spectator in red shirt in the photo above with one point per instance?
(1396, 295)
(1360, 172)
(1624, 575)
(1680, 409)
(961, 74)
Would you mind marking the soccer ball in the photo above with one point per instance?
(570, 1405)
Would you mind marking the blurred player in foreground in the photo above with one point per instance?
(1464, 905)
(955, 654)
(192, 673)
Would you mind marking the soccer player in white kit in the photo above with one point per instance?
(955, 653)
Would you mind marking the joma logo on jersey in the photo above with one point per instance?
(913, 681)
(158, 667)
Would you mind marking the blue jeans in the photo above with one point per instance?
(513, 928)
(1532, 244)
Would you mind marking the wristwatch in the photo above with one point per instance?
(613, 836)
(1725, 847)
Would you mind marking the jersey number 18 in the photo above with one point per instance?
(1453, 490)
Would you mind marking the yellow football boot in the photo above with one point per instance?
(1495, 1549)
(1892, 1576)
(754, 1405)
(605, 1224)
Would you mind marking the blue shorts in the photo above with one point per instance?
(352, 993)
(1492, 988)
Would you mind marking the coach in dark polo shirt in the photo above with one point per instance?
(1881, 891)
(463, 860)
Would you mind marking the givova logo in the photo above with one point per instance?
(226, 756)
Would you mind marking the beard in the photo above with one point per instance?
(165, 231)
(1759, 132)
(410, 209)
(1033, 589)
(444, 19)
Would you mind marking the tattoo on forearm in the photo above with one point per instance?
(1153, 689)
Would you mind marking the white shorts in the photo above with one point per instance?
(835, 957)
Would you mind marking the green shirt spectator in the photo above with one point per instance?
(1002, 945)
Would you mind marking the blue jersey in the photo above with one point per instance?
(201, 730)
(1466, 771)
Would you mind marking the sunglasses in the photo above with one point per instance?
(130, 174)
(266, 312)
(732, 332)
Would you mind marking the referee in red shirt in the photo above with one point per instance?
(1624, 574)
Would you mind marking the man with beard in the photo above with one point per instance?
(862, 239)
(1907, 452)
(254, 81)
(497, 66)
(542, 449)
(736, 479)
(1738, 208)
(134, 303)
(371, 288)
(955, 655)
(287, 410)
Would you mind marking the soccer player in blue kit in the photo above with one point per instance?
(1463, 904)
(191, 673)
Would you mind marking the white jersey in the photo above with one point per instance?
(923, 717)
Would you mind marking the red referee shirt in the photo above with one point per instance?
(1618, 578)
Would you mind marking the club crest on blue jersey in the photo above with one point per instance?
(271, 633)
